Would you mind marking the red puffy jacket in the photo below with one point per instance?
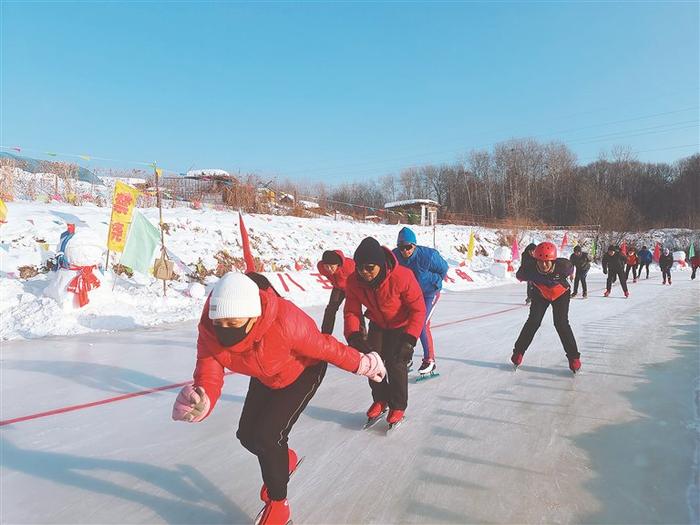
(632, 259)
(396, 303)
(695, 261)
(282, 344)
(338, 279)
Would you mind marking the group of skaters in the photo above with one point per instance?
(248, 328)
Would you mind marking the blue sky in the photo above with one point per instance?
(345, 91)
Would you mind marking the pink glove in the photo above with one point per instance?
(191, 405)
(372, 366)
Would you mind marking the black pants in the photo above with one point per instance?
(611, 279)
(529, 290)
(666, 274)
(337, 298)
(641, 266)
(267, 417)
(634, 271)
(560, 313)
(692, 275)
(580, 278)
(394, 388)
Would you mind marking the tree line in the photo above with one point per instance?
(536, 183)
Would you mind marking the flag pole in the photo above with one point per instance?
(160, 222)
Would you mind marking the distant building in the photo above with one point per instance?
(203, 185)
(417, 211)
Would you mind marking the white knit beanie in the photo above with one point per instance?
(235, 295)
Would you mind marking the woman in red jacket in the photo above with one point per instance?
(336, 268)
(396, 311)
(247, 328)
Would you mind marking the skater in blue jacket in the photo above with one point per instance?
(430, 269)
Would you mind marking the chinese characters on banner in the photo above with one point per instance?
(123, 204)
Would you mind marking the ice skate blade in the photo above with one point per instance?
(371, 421)
(393, 426)
(425, 377)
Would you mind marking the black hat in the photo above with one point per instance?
(577, 248)
(370, 252)
(330, 257)
(612, 248)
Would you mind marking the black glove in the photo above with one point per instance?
(358, 342)
(405, 353)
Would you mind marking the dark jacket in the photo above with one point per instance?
(582, 261)
(666, 261)
(550, 285)
(615, 263)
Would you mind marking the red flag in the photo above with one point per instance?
(247, 254)
(657, 252)
(515, 253)
(564, 241)
(623, 248)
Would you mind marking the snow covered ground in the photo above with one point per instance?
(617, 443)
(285, 244)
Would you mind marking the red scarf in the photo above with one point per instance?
(83, 282)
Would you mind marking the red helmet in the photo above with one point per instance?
(545, 251)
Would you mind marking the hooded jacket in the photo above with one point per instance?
(281, 345)
(338, 279)
(666, 261)
(397, 302)
(427, 265)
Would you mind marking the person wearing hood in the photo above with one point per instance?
(335, 267)
(614, 266)
(396, 312)
(645, 257)
(430, 269)
(527, 259)
(246, 327)
(665, 263)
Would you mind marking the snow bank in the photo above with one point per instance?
(288, 247)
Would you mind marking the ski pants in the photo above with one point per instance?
(642, 266)
(580, 278)
(337, 298)
(611, 279)
(632, 267)
(426, 336)
(266, 419)
(666, 274)
(692, 275)
(560, 314)
(394, 388)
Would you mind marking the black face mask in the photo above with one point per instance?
(229, 336)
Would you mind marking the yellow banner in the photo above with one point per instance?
(123, 203)
(470, 248)
(3, 211)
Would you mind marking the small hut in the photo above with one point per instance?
(418, 211)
